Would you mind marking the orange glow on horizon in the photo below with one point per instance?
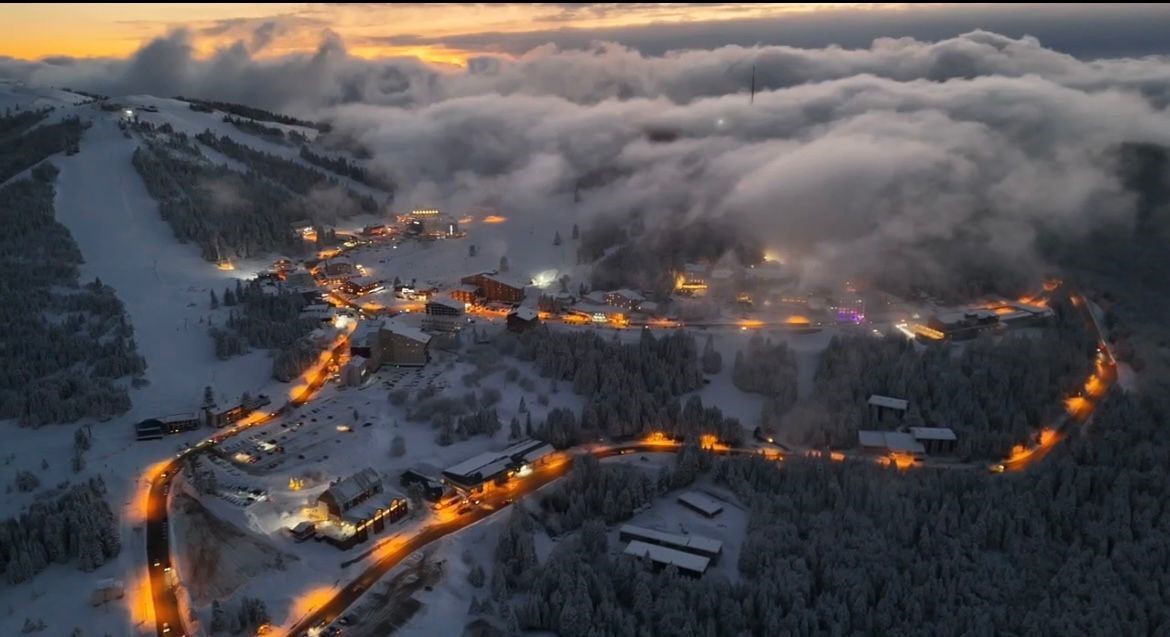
(494, 219)
(368, 31)
(797, 320)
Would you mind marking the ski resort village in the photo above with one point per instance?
(266, 377)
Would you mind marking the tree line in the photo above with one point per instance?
(76, 527)
(254, 113)
(64, 344)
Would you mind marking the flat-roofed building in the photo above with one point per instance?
(475, 473)
(467, 293)
(696, 544)
(935, 440)
(444, 314)
(882, 406)
(891, 442)
(701, 503)
(662, 556)
(405, 345)
(492, 286)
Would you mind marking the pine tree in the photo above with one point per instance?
(514, 429)
(208, 397)
(557, 238)
(576, 232)
(504, 263)
(214, 300)
(471, 250)
(398, 446)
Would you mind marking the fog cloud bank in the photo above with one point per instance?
(904, 156)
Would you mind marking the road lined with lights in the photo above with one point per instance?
(162, 579)
(391, 551)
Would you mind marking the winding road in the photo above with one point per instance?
(392, 551)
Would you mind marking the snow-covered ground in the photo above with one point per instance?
(166, 286)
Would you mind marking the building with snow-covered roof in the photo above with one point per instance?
(890, 442)
(701, 503)
(493, 286)
(522, 319)
(356, 507)
(404, 345)
(625, 299)
(390, 342)
(882, 406)
(444, 314)
(355, 370)
(480, 470)
(362, 285)
(939, 440)
(662, 556)
(695, 544)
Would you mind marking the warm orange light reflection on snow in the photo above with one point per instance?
(494, 219)
(311, 600)
(797, 320)
(138, 600)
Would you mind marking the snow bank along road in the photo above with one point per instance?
(391, 551)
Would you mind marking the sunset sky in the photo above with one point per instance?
(453, 33)
(116, 30)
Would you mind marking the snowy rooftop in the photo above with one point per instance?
(663, 555)
(887, 402)
(368, 508)
(706, 504)
(365, 330)
(870, 438)
(447, 302)
(477, 464)
(932, 433)
(367, 279)
(354, 487)
(695, 543)
(408, 331)
(525, 314)
(903, 442)
(629, 294)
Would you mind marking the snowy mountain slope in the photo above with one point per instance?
(164, 285)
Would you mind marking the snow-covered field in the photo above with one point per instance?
(165, 287)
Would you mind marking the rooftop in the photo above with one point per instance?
(889, 403)
(696, 543)
(408, 331)
(524, 314)
(446, 301)
(903, 442)
(870, 438)
(347, 491)
(668, 556)
(932, 433)
(702, 502)
(475, 464)
(629, 294)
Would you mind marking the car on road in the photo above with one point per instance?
(347, 620)
(166, 628)
(996, 468)
(464, 510)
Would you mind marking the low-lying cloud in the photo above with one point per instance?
(903, 156)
